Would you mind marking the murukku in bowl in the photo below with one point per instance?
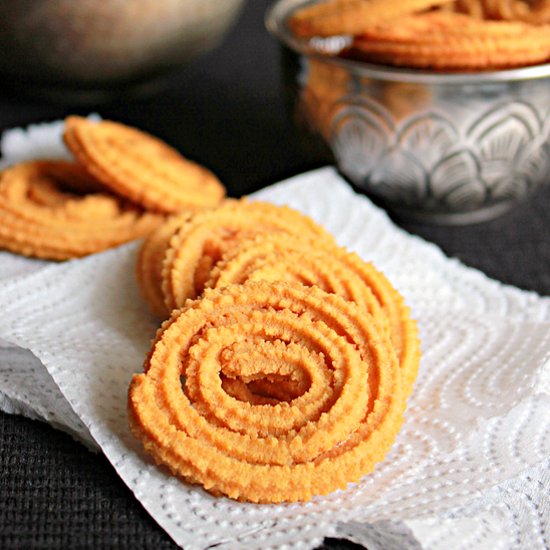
(438, 109)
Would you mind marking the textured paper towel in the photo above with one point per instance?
(468, 470)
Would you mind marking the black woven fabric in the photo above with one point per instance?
(227, 112)
(514, 249)
(55, 494)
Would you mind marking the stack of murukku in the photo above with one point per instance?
(121, 185)
(445, 35)
(285, 363)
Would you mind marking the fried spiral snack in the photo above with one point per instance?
(453, 41)
(453, 35)
(352, 16)
(473, 8)
(141, 167)
(49, 209)
(149, 263)
(331, 435)
(534, 12)
(200, 243)
(283, 257)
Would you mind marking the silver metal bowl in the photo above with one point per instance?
(96, 48)
(449, 148)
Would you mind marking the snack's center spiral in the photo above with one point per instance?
(253, 371)
(322, 369)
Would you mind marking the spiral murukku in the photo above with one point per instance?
(452, 41)
(283, 257)
(149, 263)
(352, 16)
(443, 36)
(473, 8)
(201, 242)
(332, 434)
(141, 167)
(535, 12)
(48, 210)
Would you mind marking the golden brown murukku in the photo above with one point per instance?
(46, 211)
(283, 257)
(141, 167)
(267, 390)
(201, 242)
(150, 259)
(451, 36)
(534, 12)
(473, 8)
(331, 435)
(452, 41)
(352, 16)
(149, 263)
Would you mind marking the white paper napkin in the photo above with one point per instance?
(468, 470)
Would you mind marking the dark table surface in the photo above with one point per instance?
(226, 111)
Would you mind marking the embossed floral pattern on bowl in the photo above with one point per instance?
(445, 148)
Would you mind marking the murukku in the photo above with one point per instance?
(352, 16)
(443, 36)
(283, 257)
(47, 211)
(452, 41)
(141, 167)
(201, 242)
(534, 12)
(473, 8)
(149, 263)
(332, 434)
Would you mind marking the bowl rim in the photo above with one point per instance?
(275, 22)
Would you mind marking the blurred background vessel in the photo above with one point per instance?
(449, 148)
(89, 50)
